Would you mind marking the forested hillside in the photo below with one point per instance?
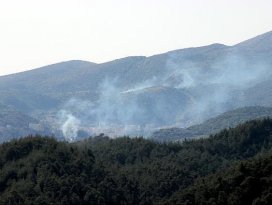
(100, 170)
(247, 182)
(211, 126)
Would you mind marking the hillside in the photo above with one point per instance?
(100, 170)
(136, 95)
(247, 182)
(211, 126)
(15, 124)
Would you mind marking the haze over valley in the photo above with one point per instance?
(138, 95)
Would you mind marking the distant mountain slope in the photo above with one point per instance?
(43, 88)
(14, 124)
(199, 83)
(214, 125)
(257, 43)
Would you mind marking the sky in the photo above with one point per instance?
(34, 33)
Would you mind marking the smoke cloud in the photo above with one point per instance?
(184, 93)
(69, 125)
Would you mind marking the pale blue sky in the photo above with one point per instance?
(34, 33)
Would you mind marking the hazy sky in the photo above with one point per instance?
(34, 33)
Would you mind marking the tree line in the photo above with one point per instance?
(231, 167)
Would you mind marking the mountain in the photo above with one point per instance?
(233, 165)
(15, 124)
(257, 43)
(211, 126)
(137, 95)
(42, 88)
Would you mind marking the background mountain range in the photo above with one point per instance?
(213, 125)
(138, 95)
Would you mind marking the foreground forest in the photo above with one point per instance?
(231, 167)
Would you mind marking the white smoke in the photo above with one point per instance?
(215, 86)
(113, 114)
(154, 81)
(210, 88)
(69, 125)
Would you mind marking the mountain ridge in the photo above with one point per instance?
(213, 45)
(201, 83)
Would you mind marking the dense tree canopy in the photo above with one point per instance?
(225, 168)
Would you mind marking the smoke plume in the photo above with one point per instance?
(183, 93)
(69, 125)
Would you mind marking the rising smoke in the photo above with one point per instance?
(69, 125)
(184, 93)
